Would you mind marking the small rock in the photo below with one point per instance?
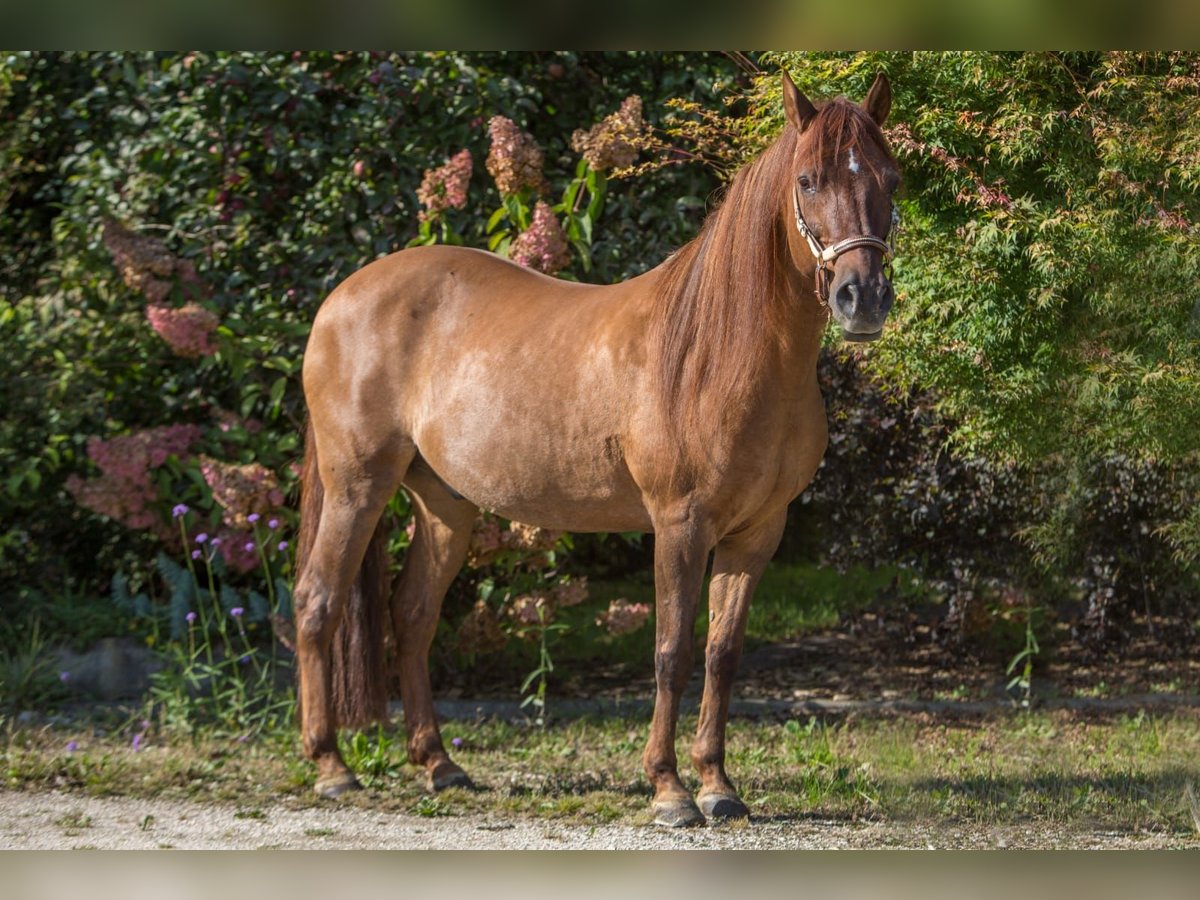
(114, 669)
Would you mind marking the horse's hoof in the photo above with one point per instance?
(448, 775)
(677, 814)
(333, 787)
(722, 806)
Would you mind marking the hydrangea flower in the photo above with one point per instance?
(514, 160)
(623, 617)
(446, 186)
(542, 246)
(125, 490)
(188, 328)
(612, 143)
(241, 490)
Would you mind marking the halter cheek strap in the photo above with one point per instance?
(826, 256)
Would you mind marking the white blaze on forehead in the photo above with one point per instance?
(853, 162)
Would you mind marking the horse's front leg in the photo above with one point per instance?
(680, 554)
(738, 564)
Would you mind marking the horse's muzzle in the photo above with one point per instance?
(861, 337)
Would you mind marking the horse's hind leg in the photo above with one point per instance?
(439, 546)
(350, 510)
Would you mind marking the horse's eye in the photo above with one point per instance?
(805, 183)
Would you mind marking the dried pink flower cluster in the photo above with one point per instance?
(446, 186)
(514, 160)
(623, 617)
(188, 328)
(569, 593)
(530, 538)
(124, 490)
(541, 607)
(241, 490)
(488, 540)
(542, 246)
(486, 543)
(480, 632)
(144, 262)
(147, 266)
(529, 609)
(612, 143)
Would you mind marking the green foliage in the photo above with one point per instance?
(27, 676)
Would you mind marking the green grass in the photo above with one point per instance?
(1129, 773)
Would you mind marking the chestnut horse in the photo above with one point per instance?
(683, 402)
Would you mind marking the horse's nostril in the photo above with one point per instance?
(847, 298)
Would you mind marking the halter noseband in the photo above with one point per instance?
(827, 255)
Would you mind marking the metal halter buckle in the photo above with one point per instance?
(825, 256)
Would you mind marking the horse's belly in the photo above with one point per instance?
(574, 485)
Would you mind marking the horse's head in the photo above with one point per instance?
(841, 202)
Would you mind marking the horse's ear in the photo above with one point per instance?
(879, 99)
(796, 106)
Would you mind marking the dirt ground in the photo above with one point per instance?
(56, 821)
(874, 660)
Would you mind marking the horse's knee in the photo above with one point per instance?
(673, 664)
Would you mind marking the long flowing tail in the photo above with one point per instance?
(359, 654)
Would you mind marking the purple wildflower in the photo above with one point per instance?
(191, 617)
(196, 554)
(72, 746)
(249, 548)
(245, 659)
(180, 510)
(64, 677)
(457, 742)
(283, 545)
(272, 524)
(252, 518)
(216, 542)
(137, 741)
(236, 612)
(201, 538)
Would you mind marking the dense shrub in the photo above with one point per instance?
(893, 491)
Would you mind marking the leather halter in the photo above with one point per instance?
(825, 256)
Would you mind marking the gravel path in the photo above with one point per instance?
(45, 821)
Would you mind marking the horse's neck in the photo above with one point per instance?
(807, 318)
